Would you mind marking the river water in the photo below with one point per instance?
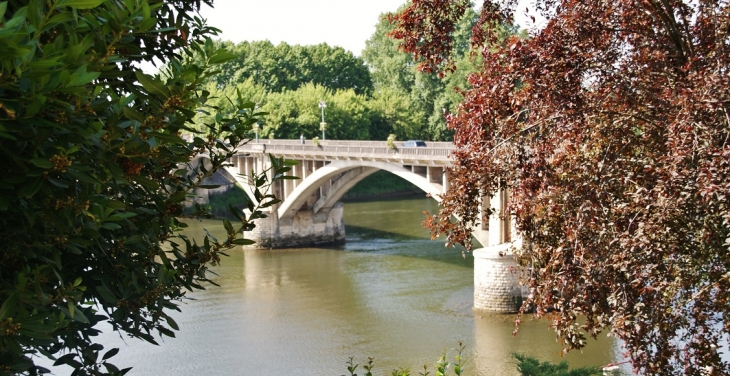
(390, 293)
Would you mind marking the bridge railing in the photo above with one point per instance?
(436, 144)
(339, 148)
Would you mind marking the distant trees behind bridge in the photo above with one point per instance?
(367, 97)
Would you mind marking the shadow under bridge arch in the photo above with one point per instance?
(343, 175)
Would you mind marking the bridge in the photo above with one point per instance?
(310, 212)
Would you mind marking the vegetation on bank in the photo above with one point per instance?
(379, 184)
(530, 366)
(525, 366)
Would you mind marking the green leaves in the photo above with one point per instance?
(221, 56)
(95, 176)
(8, 306)
(42, 162)
(79, 4)
(152, 85)
(30, 187)
(79, 77)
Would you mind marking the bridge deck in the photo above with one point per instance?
(436, 153)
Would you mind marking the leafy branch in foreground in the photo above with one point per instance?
(609, 128)
(95, 174)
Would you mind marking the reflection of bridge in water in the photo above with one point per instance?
(310, 212)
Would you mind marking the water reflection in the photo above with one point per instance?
(534, 339)
(389, 293)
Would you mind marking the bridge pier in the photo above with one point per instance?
(304, 229)
(496, 280)
(496, 273)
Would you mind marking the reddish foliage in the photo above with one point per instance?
(610, 128)
(428, 25)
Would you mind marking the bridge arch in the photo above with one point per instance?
(351, 172)
(309, 213)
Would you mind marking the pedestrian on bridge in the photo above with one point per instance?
(301, 138)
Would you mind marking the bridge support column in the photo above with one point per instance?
(496, 277)
(304, 229)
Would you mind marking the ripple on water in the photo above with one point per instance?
(389, 293)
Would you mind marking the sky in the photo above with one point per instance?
(344, 23)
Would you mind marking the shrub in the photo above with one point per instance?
(529, 366)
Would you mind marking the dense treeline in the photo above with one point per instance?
(285, 67)
(371, 97)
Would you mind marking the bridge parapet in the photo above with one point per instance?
(435, 154)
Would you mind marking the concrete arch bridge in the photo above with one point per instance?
(310, 212)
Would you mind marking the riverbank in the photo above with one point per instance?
(386, 195)
(381, 184)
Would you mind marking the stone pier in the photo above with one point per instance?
(496, 274)
(304, 229)
(496, 277)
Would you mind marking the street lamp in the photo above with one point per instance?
(322, 125)
(256, 129)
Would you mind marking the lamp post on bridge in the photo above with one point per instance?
(256, 126)
(322, 125)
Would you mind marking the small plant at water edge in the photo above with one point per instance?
(442, 366)
(529, 366)
(351, 366)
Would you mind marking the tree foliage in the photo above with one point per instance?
(286, 67)
(290, 114)
(609, 127)
(428, 98)
(386, 96)
(289, 81)
(95, 174)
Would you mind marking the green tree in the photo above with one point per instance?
(609, 128)
(334, 68)
(390, 67)
(430, 97)
(260, 61)
(286, 67)
(293, 113)
(393, 112)
(95, 174)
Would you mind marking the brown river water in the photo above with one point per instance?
(389, 293)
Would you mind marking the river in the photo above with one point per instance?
(390, 293)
